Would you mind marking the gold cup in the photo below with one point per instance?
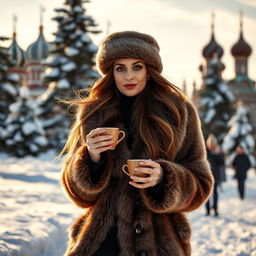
(131, 165)
(115, 132)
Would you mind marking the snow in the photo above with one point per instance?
(63, 84)
(28, 127)
(250, 140)
(13, 77)
(233, 232)
(240, 134)
(15, 106)
(209, 115)
(9, 88)
(70, 26)
(71, 51)
(92, 48)
(11, 128)
(24, 92)
(69, 66)
(52, 72)
(41, 141)
(35, 213)
(85, 38)
(18, 137)
(78, 9)
(49, 122)
(78, 44)
(58, 40)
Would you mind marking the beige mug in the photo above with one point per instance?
(115, 132)
(131, 165)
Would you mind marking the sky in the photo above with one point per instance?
(181, 27)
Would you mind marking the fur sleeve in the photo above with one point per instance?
(76, 179)
(188, 179)
(77, 175)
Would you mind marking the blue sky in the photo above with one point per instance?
(182, 27)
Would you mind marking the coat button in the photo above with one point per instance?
(137, 202)
(138, 229)
(142, 253)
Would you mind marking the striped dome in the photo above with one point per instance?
(38, 50)
(16, 53)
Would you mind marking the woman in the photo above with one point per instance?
(133, 215)
(217, 163)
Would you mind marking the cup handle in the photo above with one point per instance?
(123, 169)
(123, 135)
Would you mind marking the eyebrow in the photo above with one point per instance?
(137, 62)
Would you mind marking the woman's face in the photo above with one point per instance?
(130, 76)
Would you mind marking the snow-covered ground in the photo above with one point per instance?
(35, 213)
(233, 233)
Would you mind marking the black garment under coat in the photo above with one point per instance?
(241, 165)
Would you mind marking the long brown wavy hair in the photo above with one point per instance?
(153, 125)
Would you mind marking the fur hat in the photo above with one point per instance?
(128, 44)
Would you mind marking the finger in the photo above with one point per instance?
(103, 144)
(149, 163)
(101, 138)
(144, 170)
(141, 186)
(96, 147)
(103, 149)
(141, 179)
(96, 132)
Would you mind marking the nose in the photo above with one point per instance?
(128, 75)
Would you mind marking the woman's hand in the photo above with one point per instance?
(97, 143)
(153, 169)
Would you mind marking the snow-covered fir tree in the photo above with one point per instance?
(71, 60)
(240, 134)
(216, 101)
(24, 133)
(54, 118)
(8, 83)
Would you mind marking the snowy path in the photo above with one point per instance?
(34, 214)
(234, 231)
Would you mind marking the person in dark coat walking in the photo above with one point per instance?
(241, 165)
(216, 160)
(134, 215)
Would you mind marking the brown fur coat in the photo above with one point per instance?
(164, 228)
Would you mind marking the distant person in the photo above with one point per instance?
(216, 160)
(241, 165)
(223, 177)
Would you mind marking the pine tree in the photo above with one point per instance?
(216, 101)
(71, 60)
(54, 119)
(240, 134)
(8, 83)
(24, 134)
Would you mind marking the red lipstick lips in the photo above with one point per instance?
(129, 86)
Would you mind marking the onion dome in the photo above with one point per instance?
(38, 50)
(16, 53)
(212, 48)
(241, 48)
